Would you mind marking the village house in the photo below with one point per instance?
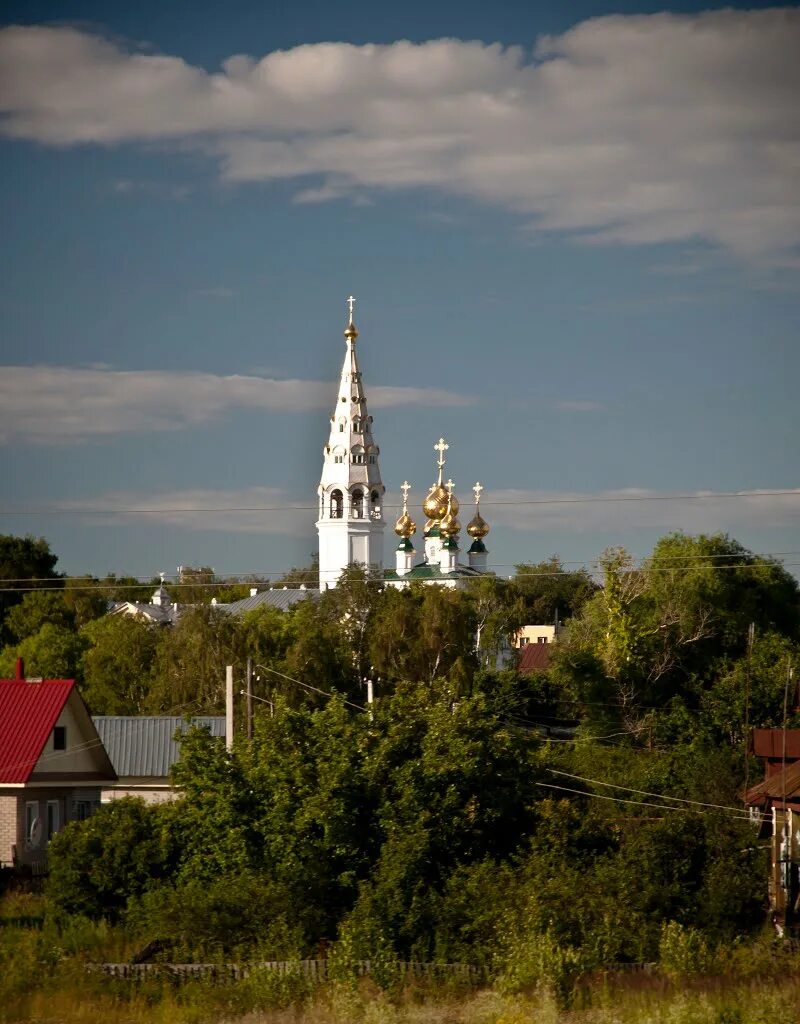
(776, 804)
(143, 749)
(52, 765)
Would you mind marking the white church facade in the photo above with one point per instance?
(351, 521)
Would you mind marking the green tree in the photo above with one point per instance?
(548, 588)
(25, 562)
(54, 652)
(37, 608)
(97, 865)
(117, 664)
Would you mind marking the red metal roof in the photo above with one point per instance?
(769, 743)
(28, 712)
(534, 658)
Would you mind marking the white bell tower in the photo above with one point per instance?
(350, 524)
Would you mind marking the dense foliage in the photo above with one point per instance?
(470, 814)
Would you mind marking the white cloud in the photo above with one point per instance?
(54, 404)
(634, 508)
(627, 129)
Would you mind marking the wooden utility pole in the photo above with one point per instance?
(249, 698)
(751, 633)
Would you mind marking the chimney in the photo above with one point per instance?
(253, 591)
(20, 676)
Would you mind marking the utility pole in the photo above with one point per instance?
(229, 707)
(751, 633)
(249, 698)
(370, 694)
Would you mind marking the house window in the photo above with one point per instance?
(338, 458)
(33, 825)
(53, 818)
(60, 737)
(83, 809)
(541, 639)
(523, 641)
(341, 428)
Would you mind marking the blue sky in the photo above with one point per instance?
(572, 230)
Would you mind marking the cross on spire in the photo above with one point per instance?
(351, 302)
(441, 447)
(478, 491)
(450, 485)
(405, 489)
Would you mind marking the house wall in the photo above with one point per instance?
(71, 803)
(80, 755)
(153, 790)
(531, 635)
(8, 827)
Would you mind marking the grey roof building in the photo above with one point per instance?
(282, 598)
(142, 749)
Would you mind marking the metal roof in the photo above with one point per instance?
(534, 658)
(282, 598)
(143, 745)
(28, 712)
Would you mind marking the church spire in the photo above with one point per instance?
(350, 521)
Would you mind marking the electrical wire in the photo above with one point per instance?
(739, 815)
(586, 500)
(308, 686)
(643, 792)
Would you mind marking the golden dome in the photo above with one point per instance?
(435, 505)
(477, 527)
(450, 526)
(350, 331)
(405, 526)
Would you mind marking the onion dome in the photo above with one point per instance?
(449, 525)
(477, 527)
(405, 526)
(435, 505)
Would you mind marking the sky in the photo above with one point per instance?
(572, 230)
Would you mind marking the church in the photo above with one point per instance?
(351, 522)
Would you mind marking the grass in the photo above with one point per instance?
(43, 979)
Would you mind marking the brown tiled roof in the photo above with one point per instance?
(534, 658)
(774, 787)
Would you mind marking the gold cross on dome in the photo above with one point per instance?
(405, 489)
(351, 302)
(441, 448)
(450, 485)
(478, 490)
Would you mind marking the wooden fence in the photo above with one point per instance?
(313, 970)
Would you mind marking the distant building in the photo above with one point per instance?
(775, 803)
(143, 750)
(547, 634)
(52, 765)
(160, 609)
(282, 598)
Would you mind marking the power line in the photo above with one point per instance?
(308, 686)
(586, 500)
(243, 577)
(739, 815)
(644, 792)
(56, 585)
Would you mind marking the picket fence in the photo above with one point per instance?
(313, 970)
